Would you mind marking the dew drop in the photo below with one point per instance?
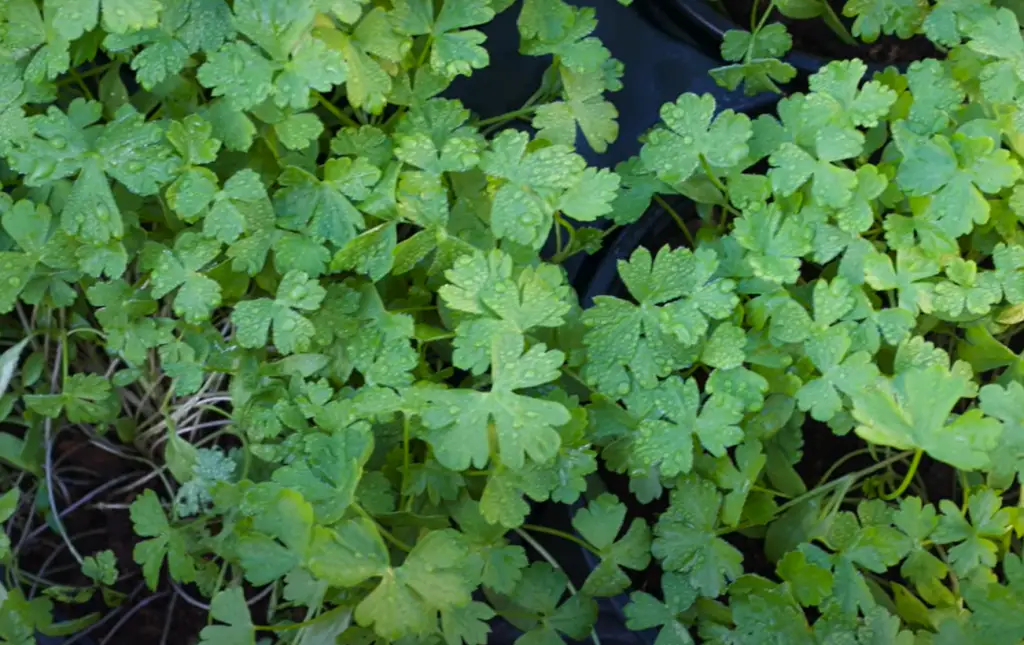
(135, 166)
(623, 388)
(59, 143)
(13, 281)
(688, 140)
(454, 409)
(288, 325)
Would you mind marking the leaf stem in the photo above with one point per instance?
(846, 481)
(383, 531)
(405, 455)
(851, 478)
(711, 175)
(562, 534)
(333, 109)
(832, 20)
(553, 562)
(508, 116)
(909, 477)
(679, 220)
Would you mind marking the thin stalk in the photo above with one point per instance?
(553, 562)
(508, 116)
(836, 25)
(853, 477)
(336, 112)
(846, 481)
(48, 439)
(909, 477)
(839, 462)
(383, 531)
(167, 622)
(82, 501)
(679, 220)
(131, 612)
(562, 534)
(711, 175)
(405, 454)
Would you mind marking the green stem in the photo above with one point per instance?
(562, 534)
(324, 617)
(909, 477)
(769, 491)
(333, 109)
(81, 84)
(839, 462)
(679, 220)
(711, 175)
(508, 116)
(836, 25)
(87, 73)
(846, 482)
(383, 531)
(405, 454)
(539, 548)
(852, 477)
(426, 50)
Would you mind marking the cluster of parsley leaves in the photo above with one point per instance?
(253, 251)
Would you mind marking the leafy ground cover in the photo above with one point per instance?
(290, 353)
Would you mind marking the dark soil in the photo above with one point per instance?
(95, 529)
(815, 37)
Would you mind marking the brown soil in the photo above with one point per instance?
(815, 37)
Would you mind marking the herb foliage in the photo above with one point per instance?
(253, 251)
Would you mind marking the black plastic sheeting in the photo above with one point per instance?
(660, 64)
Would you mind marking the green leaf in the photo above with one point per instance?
(239, 73)
(150, 521)
(685, 540)
(665, 438)
(461, 421)
(101, 568)
(644, 611)
(532, 187)
(455, 50)
(679, 292)
(435, 577)
(229, 607)
(85, 398)
(842, 373)
(775, 242)
(690, 134)
(600, 524)
(292, 331)
(466, 624)
(954, 174)
(914, 410)
(348, 554)
(181, 270)
(975, 534)
(872, 18)
(539, 594)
